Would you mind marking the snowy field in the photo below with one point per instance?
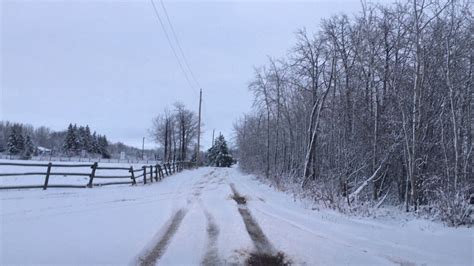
(191, 218)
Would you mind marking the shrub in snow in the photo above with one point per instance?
(454, 208)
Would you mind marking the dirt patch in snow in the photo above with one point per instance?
(160, 247)
(241, 200)
(257, 259)
(400, 261)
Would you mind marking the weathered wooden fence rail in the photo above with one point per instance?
(147, 173)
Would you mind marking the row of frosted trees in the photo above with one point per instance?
(80, 139)
(372, 108)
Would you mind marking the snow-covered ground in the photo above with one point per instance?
(191, 218)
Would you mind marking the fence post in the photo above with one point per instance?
(134, 182)
(92, 175)
(166, 170)
(144, 174)
(46, 180)
(160, 172)
(156, 172)
(151, 174)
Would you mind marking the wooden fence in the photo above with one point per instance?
(147, 173)
(65, 159)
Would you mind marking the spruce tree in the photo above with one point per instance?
(70, 142)
(12, 144)
(29, 147)
(95, 144)
(20, 140)
(103, 145)
(75, 131)
(88, 139)
(81, 136)
(16, 142)
(218, 155)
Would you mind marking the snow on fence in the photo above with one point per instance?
(92, 172)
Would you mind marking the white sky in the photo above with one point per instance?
(108, 64)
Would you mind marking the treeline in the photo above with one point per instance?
(376, 108)
(25, 141)
(41, 136)
(176, 132)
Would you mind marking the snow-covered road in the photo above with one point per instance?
(208, 216)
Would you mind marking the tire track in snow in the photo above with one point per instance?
(260, 240)
(265, 252)
(158, 249)
(212, 256)
(155, 253)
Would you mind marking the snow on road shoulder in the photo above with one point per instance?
(327, 237)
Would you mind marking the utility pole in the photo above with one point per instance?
(213, 131)
(143, 148)
(198, 159)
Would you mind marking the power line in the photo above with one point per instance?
(178, 44)
(171, 45)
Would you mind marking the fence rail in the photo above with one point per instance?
(151, 173)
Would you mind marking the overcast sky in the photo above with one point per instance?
(108, 64)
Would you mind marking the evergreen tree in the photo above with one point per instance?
(20, 140)
(88, 139)
(12, 144)
(75, 131)
(29, 147)
(218, 155)
(81, 138)
(16, 142)
(70, 143)
(95, 144)
(3, 137)
(103, 145)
